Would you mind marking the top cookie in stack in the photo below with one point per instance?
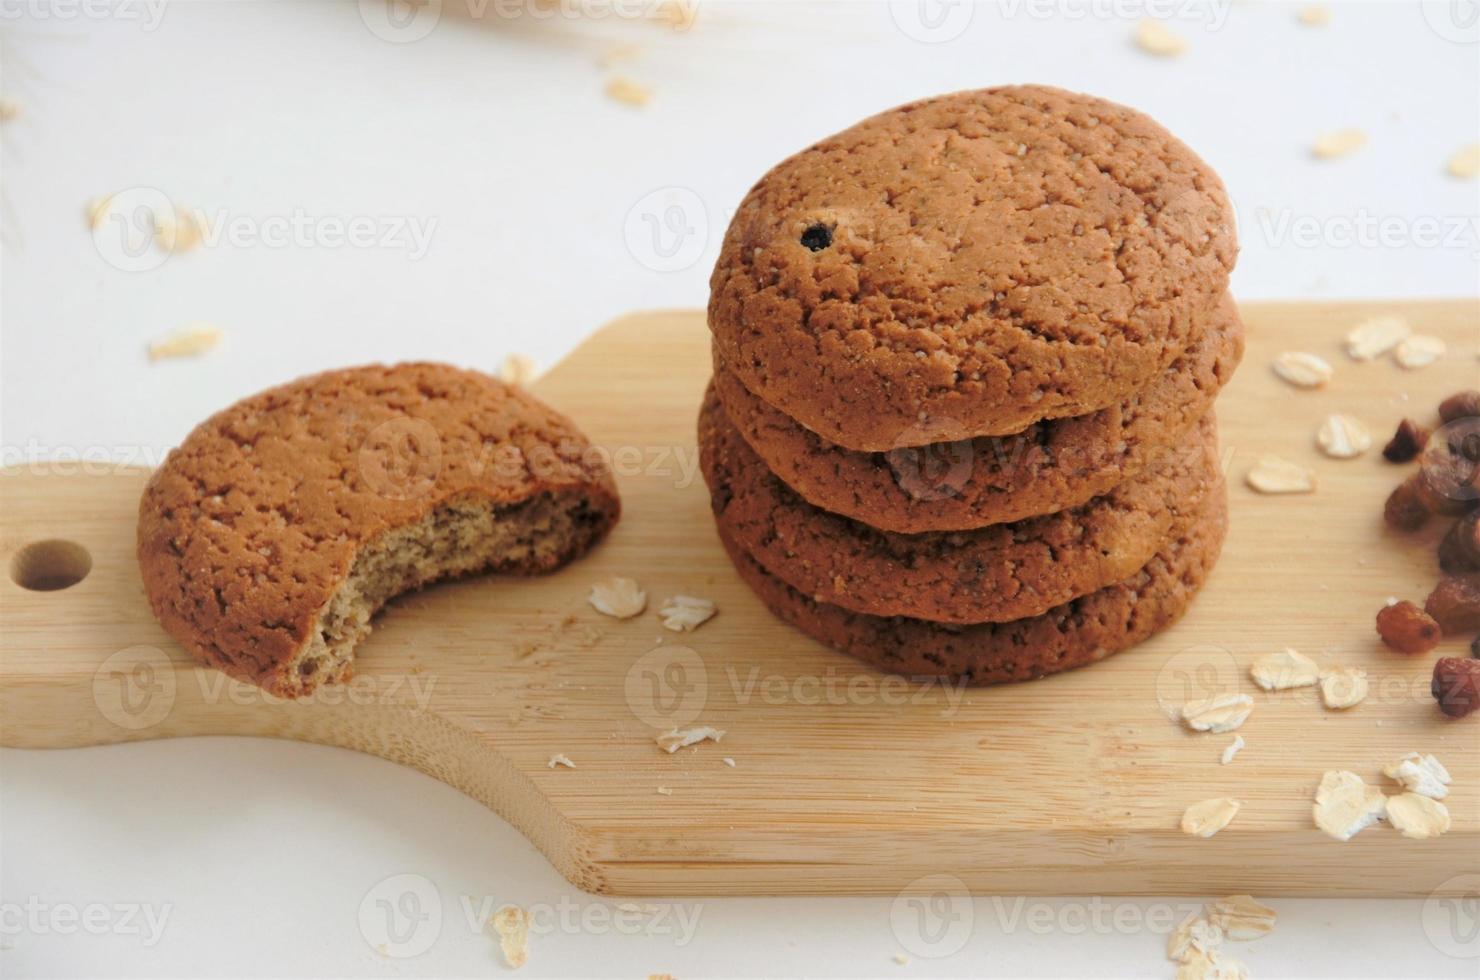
(972, 344)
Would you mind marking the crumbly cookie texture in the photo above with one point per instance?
(1048, 467)
(270, 537)
(977, 261)
(993, 574)
(1080, 632)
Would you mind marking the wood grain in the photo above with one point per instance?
(844, 781)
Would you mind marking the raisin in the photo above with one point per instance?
(1406, 443)
(1455, 603)
(1460, 549)
(1405, 510)
(1443, 484)
(1407, 628)
(1460, 405)
(1456, 685)
(817, 237)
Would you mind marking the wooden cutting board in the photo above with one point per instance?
(843, 781)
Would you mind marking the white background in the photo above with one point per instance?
(544, 196)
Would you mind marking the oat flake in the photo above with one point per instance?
(1421, 774)
(1343, 687)
(1206, 818)
(1372, 338)
(1220, 714)
(620, 598)
(1303, 369)
(1273, 475)
(1345, 805)
(1417, 817)
(1284, 669)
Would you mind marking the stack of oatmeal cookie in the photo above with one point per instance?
(965, 355)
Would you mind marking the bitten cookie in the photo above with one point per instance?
(269, 538)
(1050, 466)
(994, 574)
(1081, 632)
(969, 264)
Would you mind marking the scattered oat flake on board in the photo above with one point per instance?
(1154, 37)
(1241, 918)
(1345, 805)
(1372, 338)
(518, 369)
(618, 597)
(664, 791)
(683, 613)
(627, 91)
(1343, 437)
(1195, 935)
(1343, 687)
(1314, 15)
(560, 760)
(191, 340)
(1302, 369)
(728, 761)
(1466, 161)
(1232, 749)
(1417, 817)
(1284, 669)
(673, 740)
(1207, 817)
(1220, 714)
(1421, 774)
(1419, 351)
(1272, 475)
(512, 925)
(1328, 146)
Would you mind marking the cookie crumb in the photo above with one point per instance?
(560, 760)
(1343, 437)
(1345, 805)
(1232, 749)
(684, 613)
(1273, 475)
(1343, 687)
(1220, 714)
(1466, 161)
(1154, 37)
(620, 598)
(191, 340)
(1421, 774)
(1374, 337)
(1284, 669)
(512, 925)
(1303, 369)
(1419, 351)
(673, 740)
(627, 91)
(1206, 818)
(1339, 143)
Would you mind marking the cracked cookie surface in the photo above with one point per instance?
(969, 264)
(269, 537)
(994, 574)
(1051, 466)
(1076, 634)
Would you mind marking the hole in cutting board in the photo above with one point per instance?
(49, 566)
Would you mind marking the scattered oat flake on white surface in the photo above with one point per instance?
(1284, 669)
(1220, 714)
(1314, 15)
(1207, 817)
(627, 91)
(1273, 475)
(682, 613)
(1339, 143)
(1343, 687)
(618, 53)
(560, 760)
(1421, 774)
(1302, 369)
(1376, 336)
(1154, 37)
(1195, 934)
(512, 925)
(1466, 161)
(1232, 749)
(518, 369)
(97, 210)
(618, 597)
(9, 109)
(1211, 965)
(901, 959)
(179, 229)
(1345, 805)
(1419, 351)
(1417, 817)
(673, 740)
(1343, 437)
(191, 340)
(1242, 918)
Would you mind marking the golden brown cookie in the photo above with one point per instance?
(1081, 632)
(993, 574)
(1051, 466)
(969, 264)
(269, 538)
